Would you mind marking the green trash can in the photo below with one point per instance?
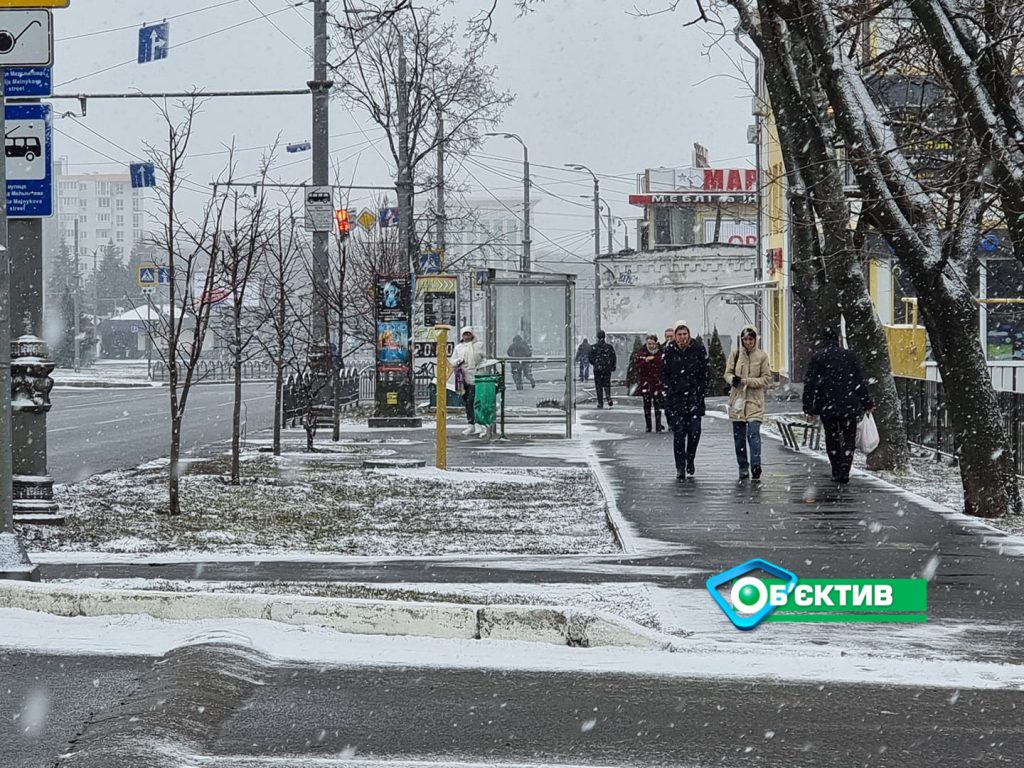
(486, 396)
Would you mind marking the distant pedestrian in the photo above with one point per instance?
(520, 368)
(749, 374)
(670, 338)
(602, 359)
(834, 390)
(648, 380)
(684, 376)
(466, 358)
(583, 359)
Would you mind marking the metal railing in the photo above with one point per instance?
(317, 390)
(928, 423)
(219, 371)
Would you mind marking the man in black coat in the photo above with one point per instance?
(602, 360)
(684, 376)
(834, 390)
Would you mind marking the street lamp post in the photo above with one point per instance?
(608, 210)
(524, 259)
(597, 240)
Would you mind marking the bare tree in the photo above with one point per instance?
(933, 243)
(245, 243)
(190, 248)
(828, 274)
(442, 78)
(280, 300)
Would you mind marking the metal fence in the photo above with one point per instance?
(220, 370)
(423, 383)
(928, 422)
(301, 392)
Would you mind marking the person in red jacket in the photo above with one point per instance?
(648, 380)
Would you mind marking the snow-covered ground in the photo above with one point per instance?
(144, 635)
(326, 503)
(107, 372)
(935, 480)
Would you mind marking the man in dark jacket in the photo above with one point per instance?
(602, 360)
(583, 359)
(684, 375)
(834, 390)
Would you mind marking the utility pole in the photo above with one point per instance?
(78, 287)
(14, 561)
(440, 215)
(611, 245)
(320, 87)
(597, 241)
(404, 186)
(597, 252)
(526, 266)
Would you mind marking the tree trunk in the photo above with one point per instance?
(278, 401)
(236, 409)
(986, 465)
(173, 469)
(933, 257)
(828, 275)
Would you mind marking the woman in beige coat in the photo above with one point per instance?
(749, 374)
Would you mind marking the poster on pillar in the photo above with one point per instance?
(28, 147)
(394, 358)
(436, 303)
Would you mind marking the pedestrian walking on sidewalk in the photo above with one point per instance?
(583, 359)
(648, 380)
(519, 348)
(684, 375)
(834, 390)
(466, 357)
(749, 374)
(602, 360)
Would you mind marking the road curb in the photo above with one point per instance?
(107, 385)
(537, 624)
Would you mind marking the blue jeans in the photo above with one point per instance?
(746, 433)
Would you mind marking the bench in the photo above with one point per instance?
(788, 426)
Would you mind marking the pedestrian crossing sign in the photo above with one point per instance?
(147, 276)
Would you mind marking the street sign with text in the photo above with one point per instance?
(28, 82)
(319, 208)
(28, 146)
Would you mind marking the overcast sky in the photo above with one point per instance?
(593, 83)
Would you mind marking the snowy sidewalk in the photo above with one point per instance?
(676, 535)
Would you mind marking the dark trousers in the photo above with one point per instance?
(584, 371)
(685, 438)
(652, 400)
(469, 398)
(603, 385)
(840, 442)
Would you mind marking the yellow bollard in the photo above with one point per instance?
(441, 439)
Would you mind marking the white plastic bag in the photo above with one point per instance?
(737, 410)
(867, 434)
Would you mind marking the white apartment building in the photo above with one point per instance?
(485, 233)
(105, 205)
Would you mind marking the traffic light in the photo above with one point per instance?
(344, 220)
